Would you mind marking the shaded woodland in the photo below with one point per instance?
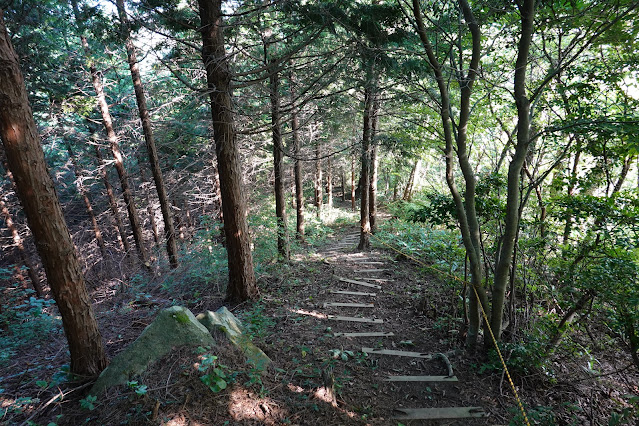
(206, 153)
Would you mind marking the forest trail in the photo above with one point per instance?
(362, 316)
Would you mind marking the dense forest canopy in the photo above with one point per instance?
(195, 148)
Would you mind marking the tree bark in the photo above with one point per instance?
(107, 121)
(44, 214)
(511, 226)
(319, 193)
(113, 204)
(19, 243)
(283, 249)
(242, 285)
(149, 206)
(353, 181)
(156, 171)
(372, 201)
(465, 207)
(87, 202)
(297, 168)
(329, 183)
(364, 222)
(408, 191)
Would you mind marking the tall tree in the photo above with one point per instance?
(44, 214)
(118, 158)
(242, 285)
(156, 170)
(297, 167)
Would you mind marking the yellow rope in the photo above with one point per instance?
(492, 335)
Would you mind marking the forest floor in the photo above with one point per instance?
(290, 323)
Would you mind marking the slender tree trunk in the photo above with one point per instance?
(319, 193)
(242, 285)
(372, 201)
(408, 191)
(19, 243)
(36, 191)
(156, 171)
(283, 249)
(571, 189)
(353, 181)
(329, 183)
(87, 202)
(527, 11)
(343, 178)
(297, 167)
(464, 207)
(149, 205)
(107, 121)
(113, 204)
(364, 223)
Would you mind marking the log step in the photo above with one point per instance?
(353, 293)
(346, 280)
(397, 353)
(369, 334)
(348, 305)
(421, 379)
(355, 319)
(438, 413)
(359, 271)
(367, 262)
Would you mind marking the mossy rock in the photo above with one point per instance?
(173, 327)
(225, 321)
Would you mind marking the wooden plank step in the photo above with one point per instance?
(346, 280)
(369, 334)
(348, 305)
(438, 413)
(421, 379)
(397, 353)
(359, 271)
(367, 262)
(353, 293)
(355, 319)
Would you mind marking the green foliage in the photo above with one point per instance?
(25, 318)
(88, 403)
(214, 376)
(137, 388)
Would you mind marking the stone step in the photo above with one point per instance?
(438, 413)
(355, 319)
(397, 353)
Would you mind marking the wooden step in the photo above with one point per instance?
(346, 280)
(348, 305)
(438, 413)
(369, 334)
(421, 379)
(353, 293)
(361, 271)
(355, 319)
(367, 262)
(397, 353)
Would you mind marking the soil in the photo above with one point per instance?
(315, 378)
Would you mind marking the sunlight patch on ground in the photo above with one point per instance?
(244, 405)
(309, 313)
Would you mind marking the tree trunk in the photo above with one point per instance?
(87, 202)
(343, 178)
(107, 121)
(319, 193)
(408, 191)
(19, 243)
(156, 171)
(464, 207)
(242, 285)
(283, 249)
(297, 168)
(372, 201)
(353, 181)
(329, 183)
(149, 205)
(41, 205)
(364, 222)
(511, 226)
(113, 204)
